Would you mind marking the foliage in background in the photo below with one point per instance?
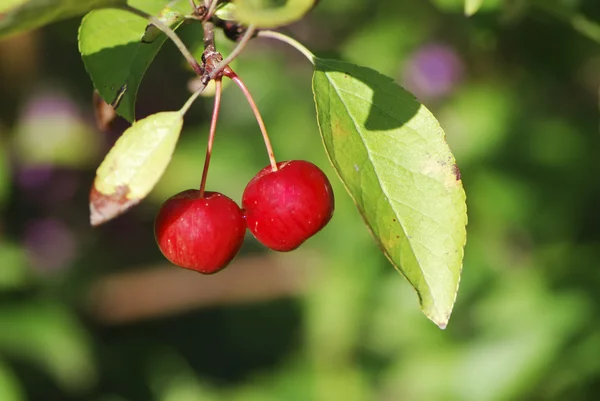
(516, 90)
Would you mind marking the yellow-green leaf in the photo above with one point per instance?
(472, 6)
(392, 156)
(226, 12)
(134, 165)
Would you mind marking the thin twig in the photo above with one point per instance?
(210, 57)
(290, 41)
(171, 34)
(236, 51)
(209, 37)
(211, 8)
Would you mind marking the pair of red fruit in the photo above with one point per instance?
(283, 205)
(282, 208)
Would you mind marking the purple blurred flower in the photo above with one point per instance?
(50, 244)
(34, 177)
(52, 104)
(51, 131)
(47, 185)
(433, 71)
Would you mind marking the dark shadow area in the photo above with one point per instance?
(392, 106)
(220, 343)
(119, 71)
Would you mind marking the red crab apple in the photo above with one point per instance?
(200, 233)
(284, 208)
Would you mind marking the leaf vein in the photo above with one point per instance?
(384, 189)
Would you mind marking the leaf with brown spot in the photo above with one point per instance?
(134, 165)
(390, 152)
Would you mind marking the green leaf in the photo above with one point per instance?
(134, 165)
(117, 47)
(271, 13)
(391, 155)
(226, 12)
(23, 15)
(472, 6)
(10, 389)
(47, 335)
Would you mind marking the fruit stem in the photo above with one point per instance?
(228, 72)
(211, 134)
(170, 34)
(292, 42)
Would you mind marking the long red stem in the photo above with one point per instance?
(211, 134)
(228, 72)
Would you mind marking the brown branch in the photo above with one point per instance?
(166, 290)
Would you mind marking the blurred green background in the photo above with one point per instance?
(98, 314)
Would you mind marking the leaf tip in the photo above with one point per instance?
(439, 316)
(105, 207)
(440, 321)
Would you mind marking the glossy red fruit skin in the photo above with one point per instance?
(201, 234)
(284, 208)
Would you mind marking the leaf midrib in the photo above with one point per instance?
(136, 168)
(158, 145)
(383, 188)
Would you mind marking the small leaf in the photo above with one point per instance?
(23, 15)
(270, 13)
(134, 165)
(117, 47)
(392, 156)
(472, 6)
(226, 12)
